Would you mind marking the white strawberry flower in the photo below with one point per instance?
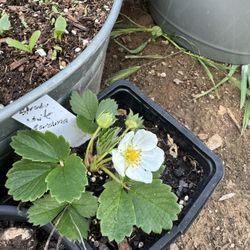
(137, 156)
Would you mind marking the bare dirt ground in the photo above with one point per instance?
(221, 224)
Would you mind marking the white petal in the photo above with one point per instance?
(145, 140)
(139, 174)
(125, 141)
(152, 160)
(119, 163)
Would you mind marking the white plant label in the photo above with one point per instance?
(47, 114)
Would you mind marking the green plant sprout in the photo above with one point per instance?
(4, 23)
(23, 46)
(55, 51)
(55, 180)
(207, 64)
(60, 27)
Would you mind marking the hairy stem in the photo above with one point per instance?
(108, 172)
(90, 146)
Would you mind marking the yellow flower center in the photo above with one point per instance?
(132, 156)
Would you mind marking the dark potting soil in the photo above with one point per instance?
(22, 236)
(182, 173)
(20, 72)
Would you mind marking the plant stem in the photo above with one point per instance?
(105, 154)
(108, 172)
(90, 146)
(100, 163)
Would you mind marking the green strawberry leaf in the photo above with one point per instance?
(115, 212)
(86, 206)
(85, 125)
(107, 106)
(73, 224)
(45, 210)
(85, 105)
(67, 182)
(26, 180)
(38, 146)
(155, 206)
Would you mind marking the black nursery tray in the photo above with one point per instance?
(128, 96)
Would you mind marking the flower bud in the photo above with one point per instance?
(133, 122)
(105, 120)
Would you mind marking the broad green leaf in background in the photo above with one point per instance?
(73, 225)
(86, 125)
(155, 206)
(4, 23)
(75, 217)
(45, 210)
(123, 74)
(26, 180)
(38, 146)
(243, 89)
(115, 212)
(107, 106)
(33, 39)
(70, 219)
(67, 182)
(85, 104)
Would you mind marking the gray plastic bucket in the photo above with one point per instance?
(84, 72)
(216, 29)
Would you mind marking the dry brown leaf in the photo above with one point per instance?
(203, 136)
(231, 115)
(17, 64)
(173, 150)
(214, 142)
(227, 196)
(222, 110)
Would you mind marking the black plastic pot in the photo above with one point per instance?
(129, 96)
(13, 214)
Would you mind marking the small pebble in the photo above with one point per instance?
(181, 202)
(163, 63)
(77, 50)
(141, 244)
(66, 10)
(186, 198)
(180, 72)
(93, 179)
(163, 75)
(1, 106)
(41, 52)
(177, 81)
(73, 32)
(89, 173)
(85, 42)
(96, 243)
